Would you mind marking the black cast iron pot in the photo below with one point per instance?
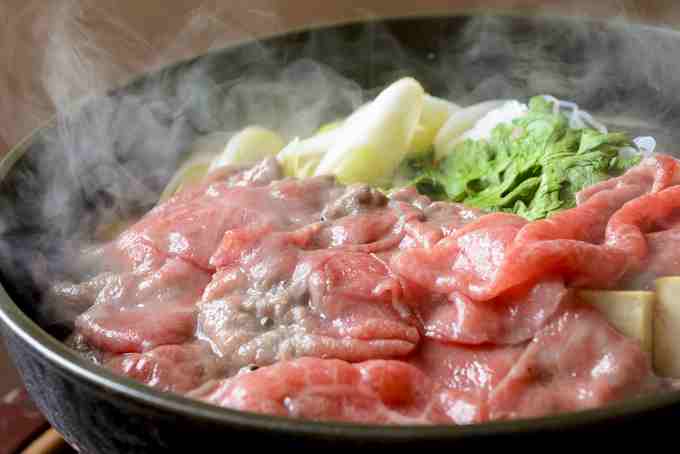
(65, 180)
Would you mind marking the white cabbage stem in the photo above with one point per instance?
(460, 122)
(436, 112)
(249, 146)
(374, 140)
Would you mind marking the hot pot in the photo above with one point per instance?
(621, 71)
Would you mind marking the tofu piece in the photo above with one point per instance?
(667, 328)
(630, 312)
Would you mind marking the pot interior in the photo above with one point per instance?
(110, 157)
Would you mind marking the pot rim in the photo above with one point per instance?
(59, 355)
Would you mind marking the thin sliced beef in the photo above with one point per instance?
(134, 313)
(363, 228)
(177, 368)
(129, 253)
(386, 392)
(652, 175)
(329, 304)
(467, 261)
(466, 368)
(254, 234)
(192, 229)
(77, 298)
(466, 375)
(411, 196)
(450, 217)
(629, 230)
(593, 245)
(514, 317)
(356, 199)
(261, 174)
(426, 222)
(663, 259)
(349, 305)
(576, 362)
(192, 224)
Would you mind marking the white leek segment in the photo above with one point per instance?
(249, 146)
(300, 158)
(501, 115)
(460, 122)
(375, 139)
(433, 116)
(436, 111)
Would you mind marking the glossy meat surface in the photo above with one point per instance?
(308, 299)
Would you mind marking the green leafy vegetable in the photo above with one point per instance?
(532, 167)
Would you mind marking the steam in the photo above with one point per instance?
(111, 152)
(123, 146)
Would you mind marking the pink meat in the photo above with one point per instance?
(134, 313)
(466, 375)
(511, 318)
(575, 363)
(359, 307)
(465, 368)
(465, 261)
(361, 228)
(177, 368)
(254, 235)
(192, 224)
(330, 304)
(662, 260)
(386, 392)
(500, 251)
(652, 175)
(430, 222)
(628, 229)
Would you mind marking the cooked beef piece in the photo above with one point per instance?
(328, 305)
(356, 199)
(265, 172)
(178, 368)
(135, 313)
(309, 299)
(576, 362)
(592, 245)
(385, 392)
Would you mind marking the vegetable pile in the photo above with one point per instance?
(500, 155)
(532, 166)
